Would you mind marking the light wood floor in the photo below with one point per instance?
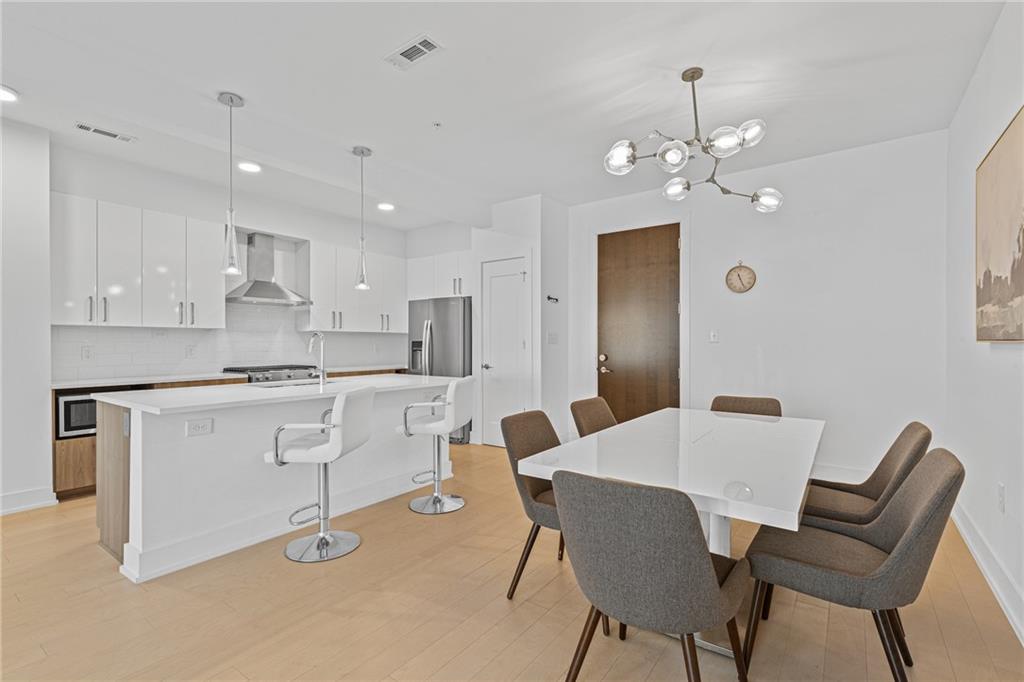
(424, 598)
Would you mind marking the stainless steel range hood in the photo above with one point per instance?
(260, 288)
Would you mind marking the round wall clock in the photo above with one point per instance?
(740, 279)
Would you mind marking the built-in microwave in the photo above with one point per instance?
(76, 415)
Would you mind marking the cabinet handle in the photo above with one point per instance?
(192, 312)
(334, 317)
(340, 320)
(453, 286)
(90, 308)
(181, 312)
(388, 316)
(382, 321)
(106, 309)
(460, 286)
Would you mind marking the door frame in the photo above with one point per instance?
(585, 379)
(531, 347)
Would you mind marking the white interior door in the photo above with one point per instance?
(205, 249)
(72, 259)
(119, 265)
(163, 270)
(507, 330)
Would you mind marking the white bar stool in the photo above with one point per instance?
(458, 411)
(342, 429)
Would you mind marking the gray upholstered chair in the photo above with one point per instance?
(830, 504)
(769, 407)
(526, 434)
(861, 503)
(879, 566)
(640, 556)
(592, 415)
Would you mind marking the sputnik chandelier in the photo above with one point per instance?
(673, 154)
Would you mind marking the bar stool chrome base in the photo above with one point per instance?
(318, 547)
(437, 504)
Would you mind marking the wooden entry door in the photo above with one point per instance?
(638, 320)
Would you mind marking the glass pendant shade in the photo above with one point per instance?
(621, 158)
(676, 189)
(231, 264)
(766, 200)
(672, 156)
(362, 284)
(752, 132)
(724, 142)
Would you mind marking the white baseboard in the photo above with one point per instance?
(140, 566)
(23, 500)
(1006, 590)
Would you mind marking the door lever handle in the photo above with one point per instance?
(604, 370)
(485, 366)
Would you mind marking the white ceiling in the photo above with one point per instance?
(530, 95)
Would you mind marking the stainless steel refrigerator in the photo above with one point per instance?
(441, 341)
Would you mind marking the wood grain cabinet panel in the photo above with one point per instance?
(74, 464)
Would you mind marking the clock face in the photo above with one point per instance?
(740, 279)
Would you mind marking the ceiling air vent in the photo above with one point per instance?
(105, 133)
(413, 52)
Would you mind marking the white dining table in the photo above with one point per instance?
(733, 466)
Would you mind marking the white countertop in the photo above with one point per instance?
(735, 465)
(178, 400)
(171, 378)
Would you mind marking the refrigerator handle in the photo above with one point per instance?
(428, 348)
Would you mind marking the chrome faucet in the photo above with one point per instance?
(320, 367)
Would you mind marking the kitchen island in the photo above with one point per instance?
(181, 476)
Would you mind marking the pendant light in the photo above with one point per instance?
(361, 282)
(230, 264)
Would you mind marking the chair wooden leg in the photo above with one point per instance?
(561, 545)
(581, 648)
(530, 539)
(887, 636)
(901, 637)
(767, 601)
(737, 650)
(690, 658)
(622, 631)
(606, 628)
(756, 604)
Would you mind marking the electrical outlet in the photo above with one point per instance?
(86, 352)
(1001, 497)
(713, 336)
(190, 350)
(198, 427)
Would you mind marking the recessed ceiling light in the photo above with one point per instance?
(8, 94)
(249, 166)
(385, 206)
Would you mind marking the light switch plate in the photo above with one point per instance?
(198, 427)
(713, 336)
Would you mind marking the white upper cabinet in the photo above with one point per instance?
(420, 277)
(72, 259)
(455, 273)
(164, 284)
(119, 264)
(317, 265)
(394, 298)
(359, 310)
(204, 250)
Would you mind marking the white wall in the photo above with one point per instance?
(440, 238)
(985, 381)
(253, 335)
(847, 320)
(554, 340)
(25, 453)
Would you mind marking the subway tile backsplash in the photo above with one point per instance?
(255, 335)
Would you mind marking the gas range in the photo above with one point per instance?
(259, 374)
